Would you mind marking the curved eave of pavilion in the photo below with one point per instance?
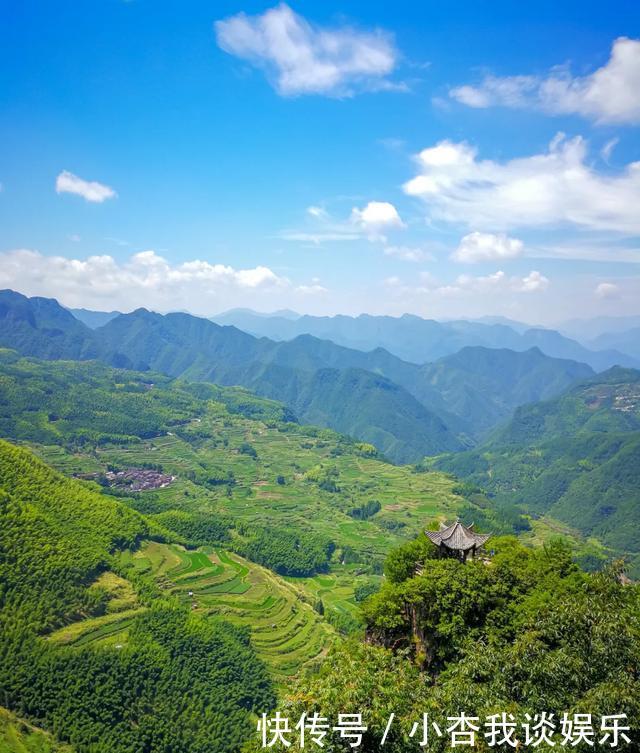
(458, 537)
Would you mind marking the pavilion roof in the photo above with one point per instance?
(458, 536)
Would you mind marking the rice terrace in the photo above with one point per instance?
(285, 629)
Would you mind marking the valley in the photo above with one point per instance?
(235, 525)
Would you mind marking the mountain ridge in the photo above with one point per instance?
(401, 407)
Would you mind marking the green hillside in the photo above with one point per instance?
(528, 631)
(575, 458)
(18, 736)
(286, 631)
(182, 682)
(236, 458)
(242, 561)
(40, 326)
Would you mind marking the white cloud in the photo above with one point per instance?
(493, 284)
(607, 149)
(301, 58)
(314, 288)
(477, 247)
(317, 212)
(90, 190)
(532, 282)
(611, 94)
(145, 279)
(607, 290)
(555, 187)
(375, 218)
(369, 222)
(407, 253)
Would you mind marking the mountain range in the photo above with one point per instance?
(424, 340)
(406, 410)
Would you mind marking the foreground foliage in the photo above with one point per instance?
(180, 683)
(530, 632)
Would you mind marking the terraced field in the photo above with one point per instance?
(286, 631)
(408, 500)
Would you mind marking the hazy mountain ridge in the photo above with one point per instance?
(484, 386)
(425, 340)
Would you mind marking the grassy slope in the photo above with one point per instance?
(408, 499)
(18, 736)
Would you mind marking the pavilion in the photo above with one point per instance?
(457, 540)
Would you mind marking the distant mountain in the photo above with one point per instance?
(519, 327)
(321, 382)
(554, 344)
(576, 457)
(418, 340)
(483, 386)
(235, 316)
(407, 411)
(41, 327)
(627, 341)
(586, 330)
(94, 319)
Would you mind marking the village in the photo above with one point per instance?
(131, 479)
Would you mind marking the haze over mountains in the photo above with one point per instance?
(601, 342)
(422, 340)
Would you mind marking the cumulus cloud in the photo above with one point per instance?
(370, 222)
(375, 218)
(611, 94)
(301, 58)
(145, 279)
(90, 190)
(555, 187)
(477, 247)
(607, 290)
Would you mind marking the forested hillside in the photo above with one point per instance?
(576, 458)
(181, 682)
(18, 736)
(531, 633)
(483, 387)
(235, 457)
(197, 503)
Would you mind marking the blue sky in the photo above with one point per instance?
(447, 159)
